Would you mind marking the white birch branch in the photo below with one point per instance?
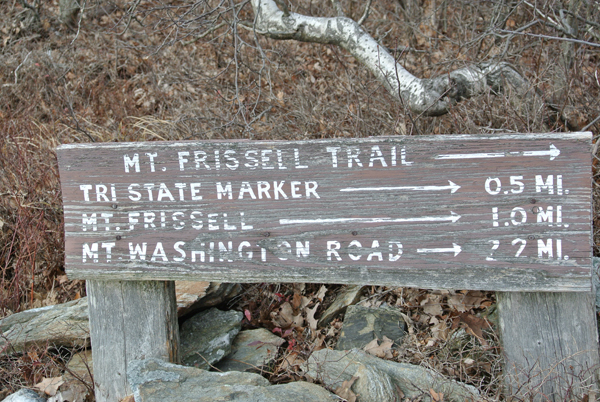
(431, 97)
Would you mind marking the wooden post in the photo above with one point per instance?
(129, 320)
(550, 344)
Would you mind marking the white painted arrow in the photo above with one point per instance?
(451, 186)
(454, 249)
(453, 217)
(553, 152)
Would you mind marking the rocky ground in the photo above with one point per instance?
(356, 348)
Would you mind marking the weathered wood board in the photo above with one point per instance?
(129, 320)
(502, 212)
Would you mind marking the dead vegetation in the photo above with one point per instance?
(142, 71)
(447, 331)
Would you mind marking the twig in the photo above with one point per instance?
(591, 124)
(580, 18)
(366, 13)
(202, 35)
(19, 66)
(250, 27)
(131, 11)
(407, 110)
(582, 42)
(261, 114)
(81, 10)
(541, 14)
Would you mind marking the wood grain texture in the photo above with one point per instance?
(550, 343)
(129, 320)
(504, 212)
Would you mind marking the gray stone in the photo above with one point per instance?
(374, 385)
(195, 296)
(80, 367)
(293, 391)
(79, 371)
(363, 324)
(332, 367)
(59, 325)
(153, 380)
(207, 336)
(347, 297)
(251, 350)
(24, 395)
(67, 324)
(154, 377)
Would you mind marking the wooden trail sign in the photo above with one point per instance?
(501, 212)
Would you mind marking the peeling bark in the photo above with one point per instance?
(432, 97)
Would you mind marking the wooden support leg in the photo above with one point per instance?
(550, 345)
(129, 320)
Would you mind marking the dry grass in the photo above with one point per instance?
(160, 79)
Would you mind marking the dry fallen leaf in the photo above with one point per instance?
(440, 329)
(50, 385)
(298, 321)
(291, 360)
(344, 391)
(296, 301)
(432, 305)
(284, 317)
(409, 323)
(310, 317)
(304, 302)
(457, 302)
(321, 293)
(436, 396)
(475, 326)
(383, 351)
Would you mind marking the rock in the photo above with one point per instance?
(349, 296)
(293, 391)
(24, 395)
(153, 380)
(363, 324)
(77, 379)
(207, 336)
(195, 296)
(251, 350)
(332, 367)
(375, 384)
(67, 324)
(59, 325)
(80, 367)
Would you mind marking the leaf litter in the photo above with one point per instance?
(451, 332)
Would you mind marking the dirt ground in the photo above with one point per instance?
(152, 71)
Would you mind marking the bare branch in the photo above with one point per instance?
(581, 42)
(208, 31)
(431, 97)
(366, 13)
